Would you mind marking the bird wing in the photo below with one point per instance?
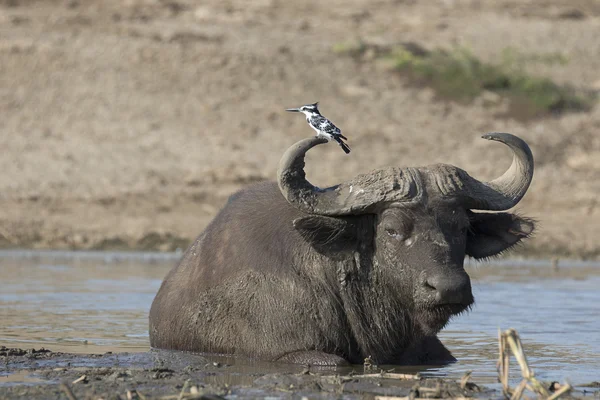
(326, 126)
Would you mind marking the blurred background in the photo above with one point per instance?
(126, 124)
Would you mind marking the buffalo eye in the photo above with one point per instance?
(399, 231)
(393, 233)
(396, 225)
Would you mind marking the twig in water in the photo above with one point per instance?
(564, 389)
(368, 364)
(183, 389)
(82, 378)
(65, 388)
(389, 375)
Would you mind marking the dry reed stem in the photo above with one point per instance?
(512, 337)
(518, 392)
(514, 342)
(509, 341)
(465, 379)
(502, 366)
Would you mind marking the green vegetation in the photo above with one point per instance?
(512, 57)
(355, 49)
(459, 75)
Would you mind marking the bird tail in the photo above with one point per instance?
(343, 137)
(343, 145)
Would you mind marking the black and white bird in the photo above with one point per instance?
(324, 127)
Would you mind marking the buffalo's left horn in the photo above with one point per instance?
(356, 196)
(294, 186)
(507, 190)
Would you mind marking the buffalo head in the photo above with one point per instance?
(423, 223)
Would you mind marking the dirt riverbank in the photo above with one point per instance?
(127, 124)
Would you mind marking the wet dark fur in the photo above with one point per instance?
(268, 281)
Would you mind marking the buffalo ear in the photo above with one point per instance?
(493, 233)
(328, 234)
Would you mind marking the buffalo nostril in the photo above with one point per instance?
(429, 286)
(450, 289)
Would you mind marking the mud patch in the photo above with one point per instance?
(40, 374)
(164, 373)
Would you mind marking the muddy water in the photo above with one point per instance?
(98, 302)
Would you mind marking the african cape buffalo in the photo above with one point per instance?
(370, 267)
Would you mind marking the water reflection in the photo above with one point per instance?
(97, 303)
(81, 306)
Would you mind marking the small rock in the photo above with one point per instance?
(161, 373)
(18, 19)
(304, 26)
(554, 386)
(442, 26)
(572, 13)
(117, 376)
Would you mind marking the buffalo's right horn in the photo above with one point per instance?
(507, 190)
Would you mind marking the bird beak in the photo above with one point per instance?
(293, 109)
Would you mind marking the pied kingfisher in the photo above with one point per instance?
(324, 127)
